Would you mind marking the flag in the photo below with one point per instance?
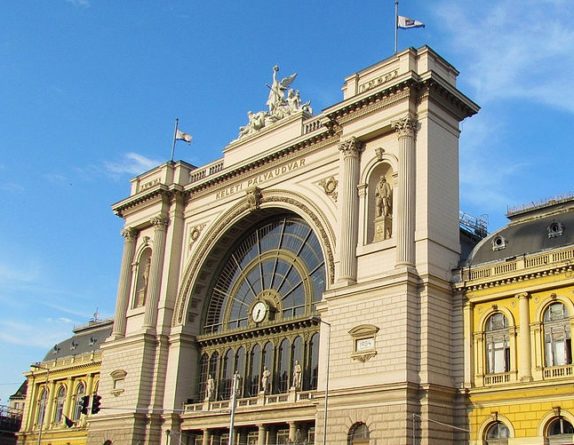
(69, 422)
(406, 23)
(181, 136)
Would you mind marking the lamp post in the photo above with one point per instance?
(42, 412)
(325, 414)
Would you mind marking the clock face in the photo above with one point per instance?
(259, 311)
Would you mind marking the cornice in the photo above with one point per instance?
(155, 193)
(314, 142)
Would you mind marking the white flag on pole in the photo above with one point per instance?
(181, 136)
(406, 23)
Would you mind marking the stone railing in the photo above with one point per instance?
(517, 264)
(557, 372)
(495, 379)
(247, 402)
(210, 169)
(312, 125)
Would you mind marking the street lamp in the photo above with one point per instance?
(42, 412)
(317, 319)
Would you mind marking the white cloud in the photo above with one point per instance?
(514, 48)
(132, 163)
(81, 3)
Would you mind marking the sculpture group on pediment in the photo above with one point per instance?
(281, 102)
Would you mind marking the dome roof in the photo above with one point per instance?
(86, 338)
(540, 227)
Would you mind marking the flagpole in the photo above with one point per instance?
(174, 138)
(396, 24)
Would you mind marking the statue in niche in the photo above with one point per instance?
(209, 388)
(383, 210)
(265, 379)
(384, 198)
(296, 376)
(141, 293)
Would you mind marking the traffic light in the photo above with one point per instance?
(84, 404)
(96, 404)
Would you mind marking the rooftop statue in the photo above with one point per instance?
(279, 105)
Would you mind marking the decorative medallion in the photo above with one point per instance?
(330, 187)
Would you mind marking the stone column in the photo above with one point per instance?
(524, 360)
(123, 295)
(292, 431)
(262, 431)
(206, 437)
(350, 151)
(69, 391)
(154, 283)
(405, 129)
(50, 402)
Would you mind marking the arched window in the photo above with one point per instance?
(497, 344)
(559, 431)
(227, 367)
(254, 374)
(359, 434)
(42, 403)
(60, 400)
(283, 367)
(240, 368)
(80, 392)
(313, 361)
(497, 433)
(203, 373)
(557, 346)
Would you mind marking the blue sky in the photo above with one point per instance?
(89, 90)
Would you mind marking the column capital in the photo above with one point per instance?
(522, 295)
(405, 126)
(129, 233)
(159, 221)
(351, 147)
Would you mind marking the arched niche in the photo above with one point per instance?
(142, 278)
(381, 203)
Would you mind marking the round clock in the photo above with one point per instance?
(259, 311)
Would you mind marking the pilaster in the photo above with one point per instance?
(524, 357)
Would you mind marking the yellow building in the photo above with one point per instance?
(58, 385)
(516, 292)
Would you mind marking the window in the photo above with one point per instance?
(359, 434)
(560, 431)
(60, 399)
(497, 433)
(497, 344)
(498, 243)
(80, 392)
(557, 346)
(42, 403)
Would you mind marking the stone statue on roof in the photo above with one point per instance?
(282, 101)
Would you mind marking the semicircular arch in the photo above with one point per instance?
(235, 221)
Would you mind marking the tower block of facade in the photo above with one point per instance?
(305, 273)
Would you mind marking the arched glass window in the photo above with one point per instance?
(359, 434)
(279, 263)
(313, 361)
(227, 367)
(558, 429)
(60, 399)
(254, 374)
(497, 344)
(283, 367)
(203, 373)
(557, 346)
(42, 403)
(497, 433)
(80, 392)
(240, 367)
